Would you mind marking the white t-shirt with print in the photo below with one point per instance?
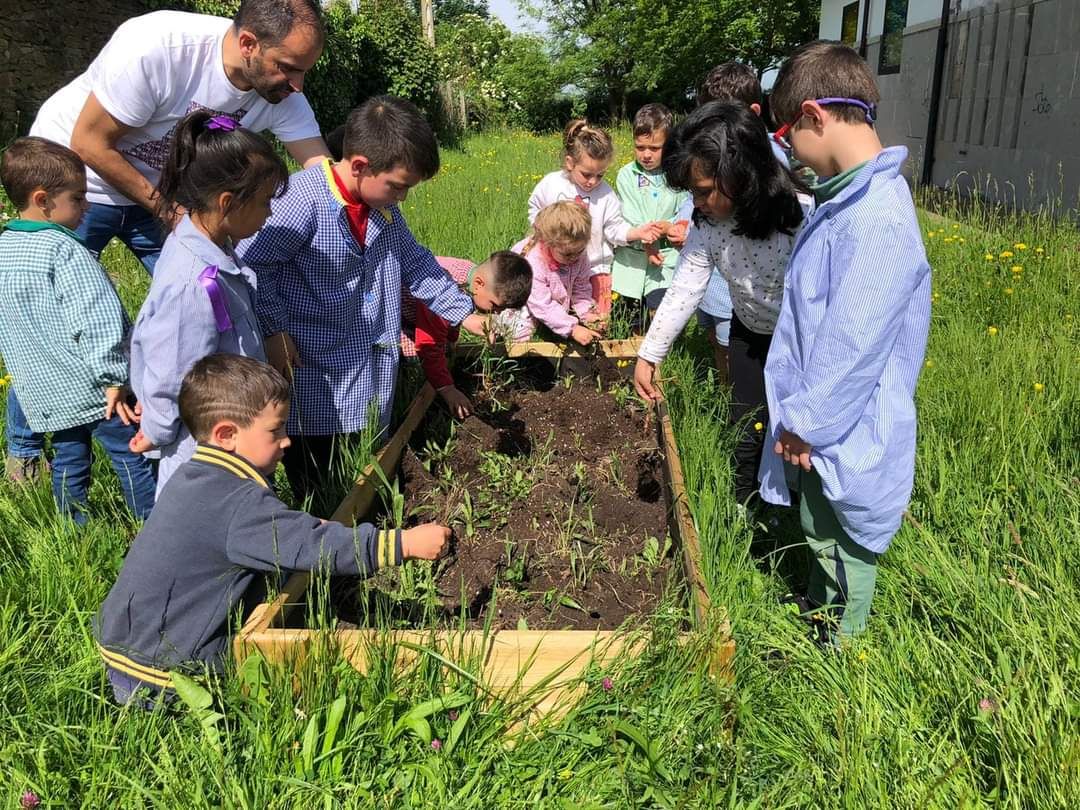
(152, 72)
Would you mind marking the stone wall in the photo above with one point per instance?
(1009, 122)
(43, 45)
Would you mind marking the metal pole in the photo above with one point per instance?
(935, 93)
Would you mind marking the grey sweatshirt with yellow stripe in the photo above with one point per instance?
(216, 529)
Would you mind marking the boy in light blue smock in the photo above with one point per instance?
(331, 263)
(201, 300)
(851, 337)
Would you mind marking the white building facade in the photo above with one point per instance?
(1005, 78)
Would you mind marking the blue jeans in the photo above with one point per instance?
(71, 467)
(131, 224)
(22, 441)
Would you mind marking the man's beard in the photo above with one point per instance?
(274, 92)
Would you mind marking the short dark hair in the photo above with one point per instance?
(31, 163)
(273, 20)
(651, 118)
(728, 142)
(511, 278)
(730, 81)
(207, 158)
(823, 69)
(228, 386)
(389, 132)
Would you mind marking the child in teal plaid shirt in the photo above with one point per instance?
(63, 331)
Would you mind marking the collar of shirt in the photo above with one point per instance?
(238, 466)
(33, 226)
(887, 163)
(655, 176)
(363, 227)
(207, 253)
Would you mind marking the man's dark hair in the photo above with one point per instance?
(652, 118)
(728, 142)
(731, 81)
(228, 386)
(209, 155)
(511, 278)
(823, 69)
(391, 132)
(273, 20)
(32, 163)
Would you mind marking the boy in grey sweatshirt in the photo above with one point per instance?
(218, 527)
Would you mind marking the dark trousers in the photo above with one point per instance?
(747, 352)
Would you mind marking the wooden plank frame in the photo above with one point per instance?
(536, 670)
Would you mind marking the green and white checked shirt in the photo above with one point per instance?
(63, 329)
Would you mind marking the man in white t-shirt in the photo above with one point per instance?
(121, 113)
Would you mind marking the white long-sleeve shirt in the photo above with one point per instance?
(609, 229)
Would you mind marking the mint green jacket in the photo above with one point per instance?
(645, 197)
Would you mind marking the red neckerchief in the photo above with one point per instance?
(356, 211)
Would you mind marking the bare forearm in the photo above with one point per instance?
(112, 167)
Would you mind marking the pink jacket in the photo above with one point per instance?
(555, 292)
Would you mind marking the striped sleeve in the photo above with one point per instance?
(264, 535)
(862, 321)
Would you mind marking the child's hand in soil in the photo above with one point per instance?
(584, 335)
(459, 404)
(427, 542)
(644, 376)
(595, 321)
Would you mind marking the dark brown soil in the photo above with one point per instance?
(553, 489)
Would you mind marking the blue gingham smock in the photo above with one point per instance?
(341, 304)
(848, 349)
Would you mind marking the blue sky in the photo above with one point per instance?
(507, 11)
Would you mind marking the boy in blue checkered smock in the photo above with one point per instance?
(63, 332)
(330, 263)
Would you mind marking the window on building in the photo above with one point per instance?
(849, 25)
(892, 36)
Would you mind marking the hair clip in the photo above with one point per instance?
(223, 123)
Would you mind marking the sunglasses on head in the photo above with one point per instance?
(780, 136)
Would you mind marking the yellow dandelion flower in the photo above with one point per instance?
(1039, 388)
(484, 190)
(961, 240)
(1008, 290)
(1039, 250)
(863, 656)
(1020, 246)
(990, 257)
(930, 234)
(1068, 317)
(955, 227)
(614, 296)
(991, 331)
(1005, 254)
(1017, 268)
(929, 363)
(758, 426)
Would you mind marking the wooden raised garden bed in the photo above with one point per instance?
(542, 665)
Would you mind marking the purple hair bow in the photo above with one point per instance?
(223, 123)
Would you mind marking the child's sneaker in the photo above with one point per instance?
(23, 470)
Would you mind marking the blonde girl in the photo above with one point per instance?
(587, 154)
(561, 297)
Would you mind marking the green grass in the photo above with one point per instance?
(978, 602)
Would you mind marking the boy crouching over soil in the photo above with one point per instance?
(502, 282)
(216, 526)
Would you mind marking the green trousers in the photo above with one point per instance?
(842, 573)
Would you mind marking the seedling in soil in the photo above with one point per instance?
(568, 381)
(392, 496)
(554, 599)
(436, 454)
(653, 554)
(514, 572)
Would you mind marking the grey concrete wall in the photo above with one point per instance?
(44, 44)
(1009, 124)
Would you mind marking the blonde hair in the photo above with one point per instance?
(581, 138)
(561, 224)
